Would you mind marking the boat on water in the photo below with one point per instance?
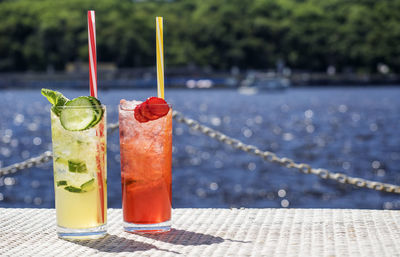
(258, 82)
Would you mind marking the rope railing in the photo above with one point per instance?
(236, 144)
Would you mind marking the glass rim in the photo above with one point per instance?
(77, 107)
(132, 109)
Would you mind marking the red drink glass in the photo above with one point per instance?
(146, 161)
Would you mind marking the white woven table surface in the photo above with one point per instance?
(215, 232)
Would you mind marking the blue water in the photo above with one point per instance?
(350, 130)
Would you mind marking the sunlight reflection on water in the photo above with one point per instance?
(353, 130)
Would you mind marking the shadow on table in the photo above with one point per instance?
(116, 244)
(184, 237)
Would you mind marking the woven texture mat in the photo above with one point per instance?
(215, 232)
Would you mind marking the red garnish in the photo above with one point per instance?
(152, 109)
(158, 106)
(145, 110)
(138, 114)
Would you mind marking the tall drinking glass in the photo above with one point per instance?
(146, 159)
(80, 179)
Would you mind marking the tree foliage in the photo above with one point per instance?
(305, 34)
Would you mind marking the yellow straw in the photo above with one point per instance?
(160, 57)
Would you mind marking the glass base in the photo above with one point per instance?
(82, 234)
(147, 228)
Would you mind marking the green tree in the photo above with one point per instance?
(306, 34)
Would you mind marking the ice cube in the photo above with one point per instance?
(128, 105)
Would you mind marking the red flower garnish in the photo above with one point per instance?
(152, 109)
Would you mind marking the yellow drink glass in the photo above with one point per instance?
(80, 179)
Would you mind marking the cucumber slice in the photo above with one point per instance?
(61, 183)
(85, 187)
(62, 161)
(73, 189)
(76, 116)
(77, 166)
(88, 186)
(98, 109)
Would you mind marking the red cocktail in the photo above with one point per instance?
(146, 159)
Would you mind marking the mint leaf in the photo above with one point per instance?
(55, 98)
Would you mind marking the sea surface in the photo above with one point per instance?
(353, 130)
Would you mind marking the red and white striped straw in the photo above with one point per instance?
(92, 53)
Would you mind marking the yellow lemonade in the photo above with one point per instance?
(80, 182)
(78, 210)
